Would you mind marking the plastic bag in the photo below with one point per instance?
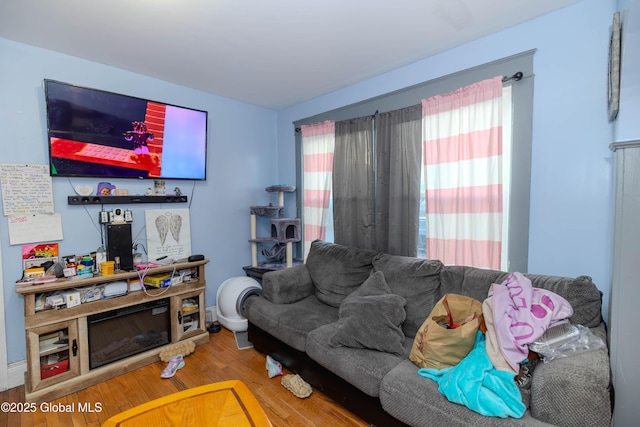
(583, 341)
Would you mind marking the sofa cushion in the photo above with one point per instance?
(583, 295)
(416, 401)
(470, 281)
(417, 280)
(290, 323)
(364, 368)
(581, 292)
(371, 317)
(566, 381)
(337, 270)
(287, 285)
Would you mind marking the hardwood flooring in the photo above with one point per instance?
(219, 360)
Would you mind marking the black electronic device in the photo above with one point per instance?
(112, 200)
(119, 244)
(100, 134)
(193, 258)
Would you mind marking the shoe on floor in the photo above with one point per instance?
(296, 385)
(174, 364)
(274, 367)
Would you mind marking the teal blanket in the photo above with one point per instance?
(475, 383)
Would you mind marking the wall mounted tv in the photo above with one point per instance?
(93, 133)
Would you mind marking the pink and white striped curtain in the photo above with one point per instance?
(462, 158)
(318, 142)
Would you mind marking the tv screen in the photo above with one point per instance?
(93, 133)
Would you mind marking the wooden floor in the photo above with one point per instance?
(218, 360)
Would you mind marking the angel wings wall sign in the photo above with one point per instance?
(168, 233)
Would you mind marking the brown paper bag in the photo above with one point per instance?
(448, 333)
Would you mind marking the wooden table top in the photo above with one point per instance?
(227, 403)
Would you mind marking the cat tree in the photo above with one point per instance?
(284, 231)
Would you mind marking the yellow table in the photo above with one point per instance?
(227, 403)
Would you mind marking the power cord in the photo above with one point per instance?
(193, 187)
(142, 275)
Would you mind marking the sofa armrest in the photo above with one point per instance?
(574, 390)
(288, 285)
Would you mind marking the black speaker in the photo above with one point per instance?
(119, 245)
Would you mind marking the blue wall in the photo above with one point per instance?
(571, 194)
(571, 191)
(241, 163)
(627, 126)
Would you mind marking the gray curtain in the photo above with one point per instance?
(353, 184)
(376, 181)
(398, 137)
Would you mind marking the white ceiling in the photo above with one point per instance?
(269, 53)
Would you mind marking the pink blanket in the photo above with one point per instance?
(521, 314)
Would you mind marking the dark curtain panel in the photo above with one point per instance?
(397, 190)
(353, 184)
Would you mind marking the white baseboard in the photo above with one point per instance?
(15, 373)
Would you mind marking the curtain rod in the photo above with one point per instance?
(517, 77)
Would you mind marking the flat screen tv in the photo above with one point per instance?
(94, 133)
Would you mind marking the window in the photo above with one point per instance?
(505, 164)
(516, 224)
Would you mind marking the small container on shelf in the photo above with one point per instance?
(54, 354)
(91, 293)
(107, 268)
(52, 369)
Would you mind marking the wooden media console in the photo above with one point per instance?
(58, 356)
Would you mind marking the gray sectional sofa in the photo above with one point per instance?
(348, 347)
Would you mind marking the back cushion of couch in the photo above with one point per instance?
(415, 279)
(470, 281)
(337, 270)
(581, 292)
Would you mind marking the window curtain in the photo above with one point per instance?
(462, 149)
(398, 147)
(318, 142)
(353, 184)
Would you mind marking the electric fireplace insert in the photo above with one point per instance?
(127, 331)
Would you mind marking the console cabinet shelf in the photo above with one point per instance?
(58, 357)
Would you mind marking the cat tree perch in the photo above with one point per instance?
(284, 231)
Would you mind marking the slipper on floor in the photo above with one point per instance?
(177, 362)
(296, 385)
(185, 348)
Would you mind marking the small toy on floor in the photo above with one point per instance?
(274, 367)
(181, 348)
(296, 385)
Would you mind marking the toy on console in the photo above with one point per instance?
(105, 188)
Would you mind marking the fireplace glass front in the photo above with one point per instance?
(127, 331)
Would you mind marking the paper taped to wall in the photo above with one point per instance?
(32, 228)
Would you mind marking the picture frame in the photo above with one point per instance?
(613, 105)
(168, 234)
